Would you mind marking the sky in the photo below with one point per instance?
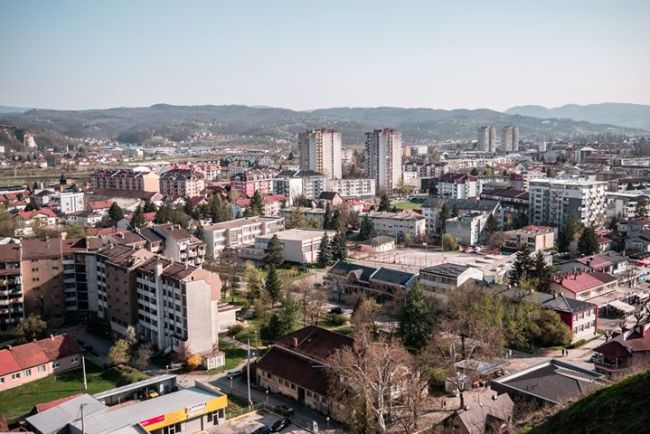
(308, 54)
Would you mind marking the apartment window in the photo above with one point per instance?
(28, 372)
(2, 380)
(56, 365)
(74, 360)
(15, 376)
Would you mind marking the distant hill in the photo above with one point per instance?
(8, 109)
(137, 125)
(626, 115)
(621, 408)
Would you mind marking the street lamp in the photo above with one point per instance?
(267, 398)
(327, 419)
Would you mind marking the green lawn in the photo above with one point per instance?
(252, 332)
(408, 205)
(20, 400)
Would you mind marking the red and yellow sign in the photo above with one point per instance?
(183, 414)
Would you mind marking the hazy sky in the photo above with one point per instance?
(307, 54)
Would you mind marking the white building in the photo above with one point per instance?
(624, 203)
(398, 224)
(447, 277)
(459, 186)
(554, 201)
(361, 187)
(510, 139)
(384, 158)
(467, 228)
(238, 233)
(320, 151)
(294, 183)
(298, 245)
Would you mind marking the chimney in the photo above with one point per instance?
(51, 337)
(643, 328)
(295, 342)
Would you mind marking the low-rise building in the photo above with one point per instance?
(238, 233)
(625, 353)
(398, 224)
(353, 187)
(300, 246)
(537, 238)
(467, 228)
(583, 285)
(378, 244)
(383, 284)
(580, 316)
(32, 361)
(180, 245)
(444, 278)
(247, 183)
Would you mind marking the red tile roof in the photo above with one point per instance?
(581, 281)
(7, 363)
(99, 204)
(29, 355)
(37, 353)
(28, 215)
(56, 347)
(51, 404)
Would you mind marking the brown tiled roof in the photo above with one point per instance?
(296, 369)
(314, 342)
(56, 347)
(123, 255)
(41, 249)
(10, 253)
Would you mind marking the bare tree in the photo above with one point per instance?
(365, 313)
(367, 377)
(312, 301)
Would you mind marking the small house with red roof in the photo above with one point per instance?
(583, 285)
(273, 203)
(625, 353)
(27, 219)
(32, 361)
(125, 223)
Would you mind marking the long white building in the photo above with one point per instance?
(353, 187)
(384, 158)
(320, 151)
(554, 201)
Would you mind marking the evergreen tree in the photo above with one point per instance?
(522, 268)
(416, 320)
(384, 202)
(273, 285)
(115, 213)
(367, 229)
(443, 215)
(324, 252)
(274, 252)
(474, 171)
(296, 219)
(491, 225)
(338, 222)
(339, 247)
(521, 220)
(327, 217)
(290, 157)
(542, 273)
(568, 235)
(284, 321)
(137, 220)
(188, 208)
(257, 204)
(149, 206)
(588, 242)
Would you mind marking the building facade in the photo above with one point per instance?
(125, 179)
(510, 139)
(383, 162)
(238, 233)
(398, 224)
(320, 151)
(487, 138)
(353, 187)
(181, 183)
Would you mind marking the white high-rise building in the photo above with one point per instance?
(320, 151)
(384, 158)
(487, 138)
(510, 139)
(554, 201)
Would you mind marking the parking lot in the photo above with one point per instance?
(251, 422)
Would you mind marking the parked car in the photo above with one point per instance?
(280, 424)
(263, 430)
(234, 373)
(284, 410)
(336, 310)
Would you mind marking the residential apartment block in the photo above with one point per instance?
(12, 298)
(125, 179)
(398, 224)
(487, 141)
(353, 187)
(320, 151)
(248, 182)
(537, 238)
(383, 162)
(181, 183)
(180, 245)
(298, 245)
(459, 186)
(554, 201)
(238, 233)
(294, 183)
(510, 139)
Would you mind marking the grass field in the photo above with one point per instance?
(20, 400)
(408, 205)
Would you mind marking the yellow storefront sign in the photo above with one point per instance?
(183, 414)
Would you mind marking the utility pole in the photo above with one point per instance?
(83, 366)
(83, 428)
(248, 373)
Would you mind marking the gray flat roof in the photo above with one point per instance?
(134, 386)
(238, 223)
(57, 418)
(111, 419)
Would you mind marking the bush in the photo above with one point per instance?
(577, 344)
(193, 362)
(234, 330)
(336, 319)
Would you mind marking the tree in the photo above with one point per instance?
(143, 356)
(30, 328)
(138, 220)
(115, 213)
(290, 157)
(120, 352)
(254, 280)
(474, 171)
(521, 220)
(7, 223)
(284, 321)
(257, 204)
(364, 314)
(384, 202)
(339, 247)
(274, 252)
(75, 230)
(496, 240)
(366, 229)
(449, 242)
(327, 217)
(629, 186)
(149, 206)
(641, 207)
(522, 268)
(301, 201)
(31, 206)
(443, 215)
(296, 219)
(364, 376)
(588, 242)
(324, 252)
(569, 234)
(542, 273)
(491, 225)
(273, 285)
(416, 320)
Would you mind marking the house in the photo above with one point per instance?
(32, 361)
(294, 366)
(125, 223)
(331, 197)
(85, 218)
(446, 277)
(378, 244)
(625, 353)
(273, 203)
(485, 412)
(384, 284)
(580, 316)
(553, 382)
(27, 219)
(583, 285)
(537, 238)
